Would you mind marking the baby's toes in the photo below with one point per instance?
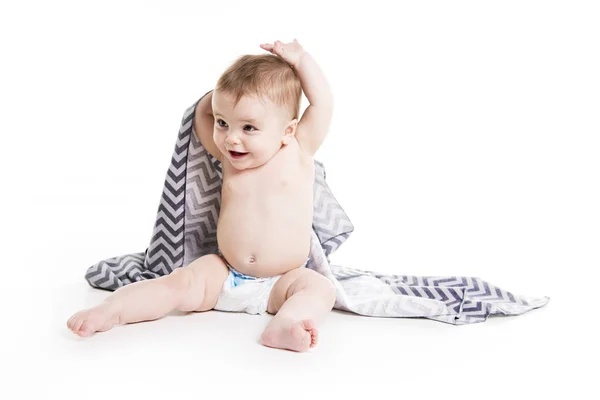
(314, 337)
(311, 327)
(70, 323)
(86, 329)
(76, 323)
(309, 324)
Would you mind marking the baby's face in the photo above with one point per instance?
(253, 127)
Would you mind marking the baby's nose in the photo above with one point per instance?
(234, 139)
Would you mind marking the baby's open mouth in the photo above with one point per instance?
(236, 154)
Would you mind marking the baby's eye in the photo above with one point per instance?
(250, 127)
(219, 121)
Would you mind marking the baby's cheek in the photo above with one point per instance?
(217, 139)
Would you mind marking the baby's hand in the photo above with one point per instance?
(290, 52)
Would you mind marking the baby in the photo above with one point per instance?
(249, 122)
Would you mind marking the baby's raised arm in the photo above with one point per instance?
(314, 124)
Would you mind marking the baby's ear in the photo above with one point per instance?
(290, 132)
(290, 129)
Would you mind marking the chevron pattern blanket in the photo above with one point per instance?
(186, 228)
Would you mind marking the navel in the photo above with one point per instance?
(251, 260)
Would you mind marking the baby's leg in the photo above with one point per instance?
(301, 298)
(192, 288)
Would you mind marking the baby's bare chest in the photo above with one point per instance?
(284, 176)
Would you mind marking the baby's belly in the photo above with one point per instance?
(264, 239)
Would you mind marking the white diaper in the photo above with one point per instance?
(244, 293)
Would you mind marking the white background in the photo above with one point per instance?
(465, 141)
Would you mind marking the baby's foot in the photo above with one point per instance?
(296, 336)
(100, 318)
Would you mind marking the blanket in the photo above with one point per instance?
(186, 228)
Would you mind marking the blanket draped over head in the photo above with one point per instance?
(186, 228)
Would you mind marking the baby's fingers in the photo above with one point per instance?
(267, 46)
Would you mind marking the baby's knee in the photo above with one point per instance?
(180, 279)
(180, 282)
(326, 289)
(332, 291)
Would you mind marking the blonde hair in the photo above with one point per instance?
(264, 75)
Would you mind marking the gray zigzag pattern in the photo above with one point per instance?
(470, 298)
(166, 250)
(330, 222)
(203, 204)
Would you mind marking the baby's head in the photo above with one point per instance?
(255, 104)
